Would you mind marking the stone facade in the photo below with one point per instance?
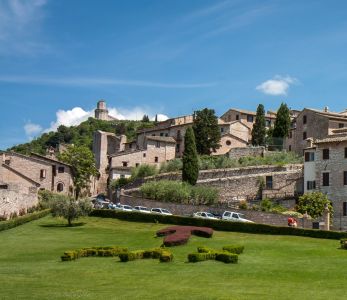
(237, 153)
(326, 171)
(101, 112)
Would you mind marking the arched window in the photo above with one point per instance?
(60, 187)
(228, 142)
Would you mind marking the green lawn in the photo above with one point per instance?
(272, 267)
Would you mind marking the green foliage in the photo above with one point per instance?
(162, 254)
(93, 251)
(83, 166)
(237, 249)
(143, 171)
(190, 167)
(206, 131)
(266, 204)
(46, 198)
(4, 225)
(218, 225)
(225, 256)
(81, 135)
(343, 244)
(174, 165)
(145, 118)
(119, 183)
(179, 192)
(259, 127)
(314, 204)
(282, 122)
(70, 209)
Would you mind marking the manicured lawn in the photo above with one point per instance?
(272, 267)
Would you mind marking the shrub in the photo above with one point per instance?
(226, 257)
(119, 183)
(204, 195)
(196, 257)
(143, 171)
(162, 254)
(237, 249)
(174, 165)
(243, 204)
(46, 199)
(343, 244)
(93, 251)
(266, 204)
(205, 253)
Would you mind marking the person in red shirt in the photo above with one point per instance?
(292, 222)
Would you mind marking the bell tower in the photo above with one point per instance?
(101, 112)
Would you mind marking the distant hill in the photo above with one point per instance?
(81, 134)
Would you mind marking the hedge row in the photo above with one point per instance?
(343, 244)
(4, 225)
(162, 254)
(211, 254)
(219, 224)
(93, 251)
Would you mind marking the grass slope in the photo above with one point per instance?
(272, 267)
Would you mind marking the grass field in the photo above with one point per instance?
(272, 267)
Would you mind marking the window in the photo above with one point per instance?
(3, 186)
(156, 159)
(227, 214)
(42, 173)
(157, 145)
(344, 177)
(250, 118)
(161, 134)
(166, 134)
(309, 156)
(344, 209)
(325, 153)
(222, 130)
(304, 135)
(325, 179)
(228, 142)
(130, 146)
(268, 123)
(290, 148)
(177, 147)
(137, 164)
(268, 182)
(345, 152)
(341, 125)
(311, 185)
(304, 119)
(125, 163)
(60, 187)
(61, 170)
(153, 134)
(144, 154)
(236, 216)
(237, 117)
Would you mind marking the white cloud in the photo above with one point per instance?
(77, 115)
(277, 86)
(160, 117)
(32, 129)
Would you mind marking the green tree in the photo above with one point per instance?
(282, 122)
(83, 167)
(145, 118)
(69, 208)
(190, 168)
(314, 204)
(259, 127)
(206, 131)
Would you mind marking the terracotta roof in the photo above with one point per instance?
(166, 139)
(332, 139)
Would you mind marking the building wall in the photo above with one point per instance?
(309, 171)
(228, 142)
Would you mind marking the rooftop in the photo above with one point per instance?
(166, 139)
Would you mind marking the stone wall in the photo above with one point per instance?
(236, 153)
(188, 210)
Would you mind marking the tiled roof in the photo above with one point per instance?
(332, 139)
(167, 139)
(248, 112)
(41, 157)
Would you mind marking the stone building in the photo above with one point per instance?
(312, 123)
(101, 112)
(326, 171)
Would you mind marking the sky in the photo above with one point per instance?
(58, 58)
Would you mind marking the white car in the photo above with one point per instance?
(119, 206)
(142, 209)
(161, 211)
(234, 216)
(204, 215)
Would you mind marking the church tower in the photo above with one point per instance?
(101, 112)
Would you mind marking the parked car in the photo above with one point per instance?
(99, 204)
(204, 215)
(142, 209)
(235, 216)
(161, 211)
(124, 207)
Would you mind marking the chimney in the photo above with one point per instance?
(326, 109)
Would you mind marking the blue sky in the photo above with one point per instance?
(58, 58)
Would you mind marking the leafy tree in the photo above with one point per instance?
(145, 118)
(70, 209)
(82, 163)
(190, 169)
(206, 131)
(259, 127)
(143, 170)
(314, 204)
(282, 122)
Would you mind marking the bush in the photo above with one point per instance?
(93, 251)
(143, 171)
(204, 195)
(343, 244)
(218, 224)
(228, 258)
(174, 165)
(237, 249)
(4, 225)
(119, 183)
(46, 199)
(162, 254)
(205, 253)
(266, 204)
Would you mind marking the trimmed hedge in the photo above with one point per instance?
(237, 249)
(162, 254)
(205, 253)
(218, 224)
(343, 244)
(5, 225)
(93, 251)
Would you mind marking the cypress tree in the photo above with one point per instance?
(190, 169)
(282, 123)
(206, 131)
(259, 127)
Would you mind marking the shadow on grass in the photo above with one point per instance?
(63, 225)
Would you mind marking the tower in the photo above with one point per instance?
(101, 112)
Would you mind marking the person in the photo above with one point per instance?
(292, 222)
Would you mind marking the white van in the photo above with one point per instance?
(234, 216)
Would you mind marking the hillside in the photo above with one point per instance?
(80, 135)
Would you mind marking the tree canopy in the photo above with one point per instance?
(206, 131)
(259, 127)
(314, 204)
(282, 122)
(190, 169)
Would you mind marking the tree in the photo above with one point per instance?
(314, 204)
(70, 209)
(206, 131)
(259, 127)
(282, 122)
(145, 118)
(190, 169)
(83, 167)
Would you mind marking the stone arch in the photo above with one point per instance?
(60, 187)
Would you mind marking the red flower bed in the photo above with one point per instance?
(179, 235)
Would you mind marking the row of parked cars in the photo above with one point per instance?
(227, 215)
